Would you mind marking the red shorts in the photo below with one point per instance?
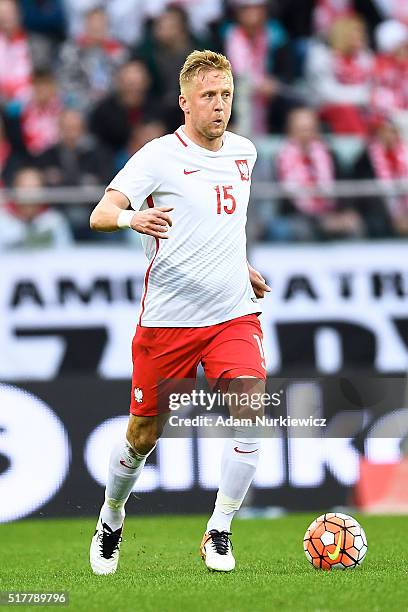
(226, 350)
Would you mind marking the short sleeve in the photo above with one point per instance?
(139, 177)
(253, 153)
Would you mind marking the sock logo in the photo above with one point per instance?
(122, 462)
(237, 450)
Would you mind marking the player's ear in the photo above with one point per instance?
(184, 104)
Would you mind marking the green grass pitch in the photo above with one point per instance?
(160, 569)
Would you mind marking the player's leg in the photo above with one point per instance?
(235, 354)
(238, 466)
(158, 354)
(240, 456)
(126, 463)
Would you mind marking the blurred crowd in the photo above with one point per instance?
(84, 84)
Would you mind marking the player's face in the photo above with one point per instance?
(207, 103)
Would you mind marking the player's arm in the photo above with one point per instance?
(258, 282)
(111, 214)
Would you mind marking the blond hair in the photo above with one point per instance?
(199, 61)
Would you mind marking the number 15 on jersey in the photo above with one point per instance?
(225, 200)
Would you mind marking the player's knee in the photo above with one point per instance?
(142, 436)
(143, 441)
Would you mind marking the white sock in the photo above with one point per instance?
(125, 467)
(238, 467)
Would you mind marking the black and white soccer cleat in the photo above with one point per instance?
(104, 551)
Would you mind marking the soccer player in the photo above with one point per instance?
(189, 194)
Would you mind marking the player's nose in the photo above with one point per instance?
(218, 103)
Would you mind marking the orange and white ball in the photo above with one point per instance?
(335, 541)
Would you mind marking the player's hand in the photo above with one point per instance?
(258, 282)
(153, 221)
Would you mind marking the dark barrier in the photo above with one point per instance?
(55, 439)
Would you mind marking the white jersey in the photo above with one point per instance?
(199, 275)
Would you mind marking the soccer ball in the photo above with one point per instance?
(335, 541)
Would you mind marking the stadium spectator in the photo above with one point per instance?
(201, 15)
(88, 64)
(339, 76)
(139, 136)
(15, 58)
(126, 17)
(385, 158)
(164, 51)
(26, 223)
(76, 160)
(303, 162)
(390, 89)
(45, 22)
(326, 13)
(260, 55)
(39, 119)
(127, 106)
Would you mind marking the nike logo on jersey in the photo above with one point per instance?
(237, 450)
(190, 171)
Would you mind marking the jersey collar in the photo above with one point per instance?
(187, 142)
